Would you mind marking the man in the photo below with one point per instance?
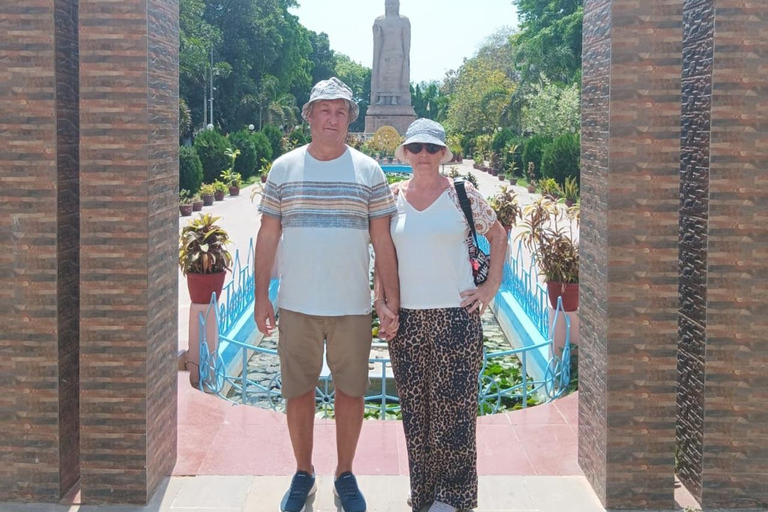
(323, 202)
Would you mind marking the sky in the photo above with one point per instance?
(443, 32)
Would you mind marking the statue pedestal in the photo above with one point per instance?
(397, 116)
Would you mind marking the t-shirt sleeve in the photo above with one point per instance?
(382, 202)
(270, 199)
(482, 214)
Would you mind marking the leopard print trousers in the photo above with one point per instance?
(436, 357)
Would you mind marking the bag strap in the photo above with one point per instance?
(466, 207)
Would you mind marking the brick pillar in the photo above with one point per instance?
(698, 44)
(629, 234)
(129, 234)
(735, 439)
(39, 263)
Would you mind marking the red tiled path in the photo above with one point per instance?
(220, 438)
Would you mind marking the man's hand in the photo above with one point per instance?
(389, 321)
(264, 315)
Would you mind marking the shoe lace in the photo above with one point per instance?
(299, 487)
(348, 488)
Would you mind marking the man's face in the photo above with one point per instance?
(329, 121)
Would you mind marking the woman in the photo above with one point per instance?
(436, 343)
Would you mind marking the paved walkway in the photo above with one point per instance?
(234, 458)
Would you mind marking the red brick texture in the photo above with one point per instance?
(629, 239)
(129, 233)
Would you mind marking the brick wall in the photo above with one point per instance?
(128, 193)
(629, 235)
(698, 46)
(38, 269)
(735, 454)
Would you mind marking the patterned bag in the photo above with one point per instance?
(480, 261)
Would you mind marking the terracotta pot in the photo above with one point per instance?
(207, 200)
(501, 177)
(569, 203)
(197, 206)
(185, 210)
(570, 295)
(263, 178)
(202, 286)
(234, 191)
(219, 196)
(531, 189)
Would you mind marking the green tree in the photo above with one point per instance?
(274, 136)
(552, 110)
(323, 59)
(429, 101)
(358, 78)
(561, 158)
(190, 170)
(211, 146)
(533, 148)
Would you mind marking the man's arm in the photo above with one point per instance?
(386, 261)
(264, 258)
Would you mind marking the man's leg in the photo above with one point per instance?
(301, 420)
(301, 359)
(349, 422)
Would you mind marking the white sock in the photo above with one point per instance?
(439, 506)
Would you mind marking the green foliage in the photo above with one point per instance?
(190, 170)
(253, 147)
(454, 173)
(549, 40)
(358, 78)
(561, 159)
(231, 178)
(220, 186)
(506, 206)
(501, 140)
(533, 148)
(552, 110)
(203, 247)
(549, 232)
(514, 156)
(429, 101)
(275, 137)
(211, 147)
(571, 189)
(207, 189)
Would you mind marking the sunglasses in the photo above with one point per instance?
(416, 148)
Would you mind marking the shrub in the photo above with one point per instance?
(514, 155)
(190, 170)
(246, 162)
(561, 159)
(501, 139)
(211, 147)
(274, 136)
(532, 151)
(253, 148)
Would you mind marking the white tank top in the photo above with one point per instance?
(432, 257)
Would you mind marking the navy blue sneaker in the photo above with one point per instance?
(302, 486)
(345, 487)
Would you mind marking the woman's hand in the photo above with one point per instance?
(389, 321)
(479, 298)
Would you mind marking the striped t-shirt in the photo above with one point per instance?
(324, 208)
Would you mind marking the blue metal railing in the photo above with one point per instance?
(495, 392)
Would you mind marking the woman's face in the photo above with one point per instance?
(423, 159)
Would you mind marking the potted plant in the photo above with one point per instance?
(206, 193)
(548, 231)
(219, 190)
(531, 173)
(229, 177)
(204, 258)
(197, 203)
(266, 166)
(550, 188)
(570, 191)
(185, 203)
(232, 180)
(507, 207)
